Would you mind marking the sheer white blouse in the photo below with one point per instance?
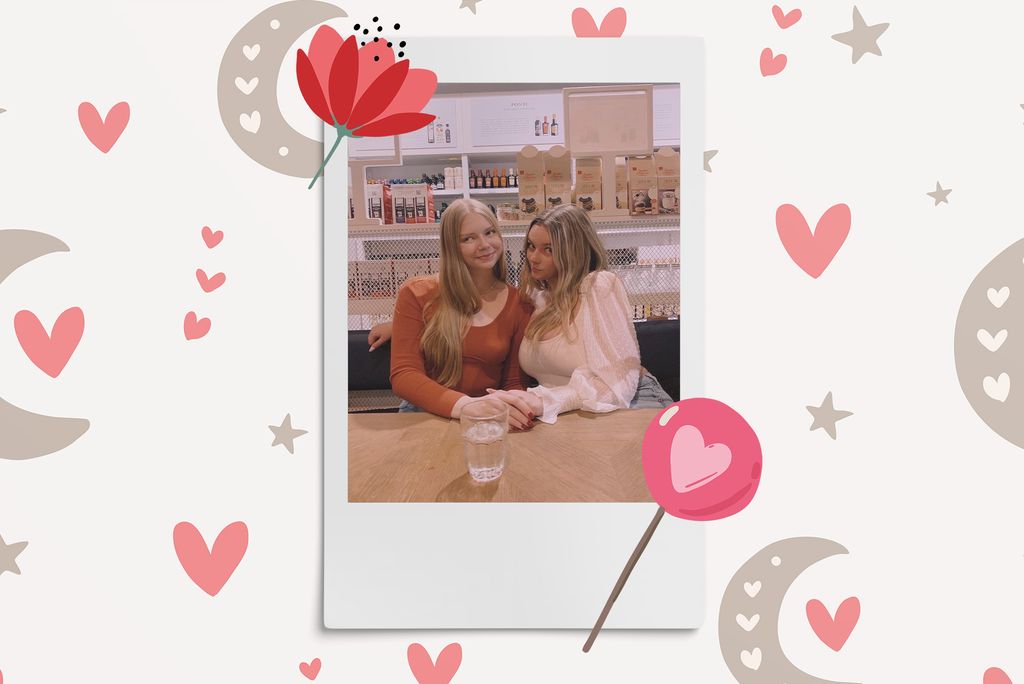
(596, 369)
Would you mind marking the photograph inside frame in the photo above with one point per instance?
(514, 294)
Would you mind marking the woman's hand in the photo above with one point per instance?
(380, 334)
(522, 407)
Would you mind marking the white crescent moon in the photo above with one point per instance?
(748, 620)
(23, 434)
(247, 87)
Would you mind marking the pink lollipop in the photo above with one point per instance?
(702, 461)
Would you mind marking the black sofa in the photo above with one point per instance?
(659, 353)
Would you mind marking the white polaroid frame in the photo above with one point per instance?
(506, 565)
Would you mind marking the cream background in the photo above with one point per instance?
(920, 491)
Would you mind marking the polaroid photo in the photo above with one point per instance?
(435, 523)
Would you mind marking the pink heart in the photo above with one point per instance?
(209, 284)
(309, 670)
(194, 329)
(211, 238)
(210, 569)
(785, 20)
(813, 253)
(833, 632)
(691, 463)
(771, 65)
(103, 133)
(428, 672)
(50, 353)
(994, 675)
(612, 26)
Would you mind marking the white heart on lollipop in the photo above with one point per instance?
(694, 464)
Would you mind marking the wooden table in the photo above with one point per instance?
(417, 457)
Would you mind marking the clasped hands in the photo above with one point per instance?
(523, 407)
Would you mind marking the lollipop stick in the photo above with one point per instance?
(624, 576)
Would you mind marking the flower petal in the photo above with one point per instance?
(369, 69)
(379, 95)
(322, 49)
(344, 78)
(416, 92)
(396, 124)
(309, 86)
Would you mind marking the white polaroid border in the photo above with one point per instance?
(504, 565)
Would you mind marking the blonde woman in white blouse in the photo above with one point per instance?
(580, 344)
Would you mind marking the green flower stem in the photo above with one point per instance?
(342, 132)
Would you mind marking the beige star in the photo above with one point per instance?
(471, 4)
(862, 38)
(8, 552)
(939, 195)
(708, 156)
(285, 434)
(826, 417)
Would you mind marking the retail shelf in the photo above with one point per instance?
(605, 225)
(448, 193)
(493, 191)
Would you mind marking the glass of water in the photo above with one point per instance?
(484, 427)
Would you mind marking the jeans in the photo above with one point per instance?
(650, 394)
(406, 407)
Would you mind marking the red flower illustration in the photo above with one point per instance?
(362, 91)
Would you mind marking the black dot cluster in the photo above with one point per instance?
(376, 39)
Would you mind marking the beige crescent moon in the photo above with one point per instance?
(748, 620)
(24, 434)
(247, 87)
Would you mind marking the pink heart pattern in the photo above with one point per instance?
(833, 632)
(787, 19)
(50, 352)
(195, 327)
(103, 133)
(772, 64)
(612, 26)
(209, 284)
(211, 238)
(994, 675)
(427, 671)
(692, 463)
(309, 670)
(209, 568)
(813, 252)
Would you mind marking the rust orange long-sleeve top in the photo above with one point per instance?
(490, 353)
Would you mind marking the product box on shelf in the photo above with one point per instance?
(586, 194)
(530, 163)
(643, 185)
(410, 268)
(378, 202)
(667, 161)
(413, 203)
(557, 176)
(621, 188)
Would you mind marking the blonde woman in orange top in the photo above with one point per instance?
(457, 334)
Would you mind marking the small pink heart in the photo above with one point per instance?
(612, 26)
(50, 352)
(211, 238)
(209, 284)
(103, 133)
(833, 632)
(309, 670)
(785, 20)
(771, 65)
(691, 463)
(210, 569)
(427, 672)
(194, 329)
(813, 252)
(994, 675)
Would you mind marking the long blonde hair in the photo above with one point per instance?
(577, 252)
(457, 299)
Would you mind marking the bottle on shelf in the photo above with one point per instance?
(447, 134)
(513, 179)
(440, 131)
(545, 127)
(430, 134)
(440, 182)
(472, 179)
(554, 125)
(536, 126)
(487, 179)
(503, 178)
